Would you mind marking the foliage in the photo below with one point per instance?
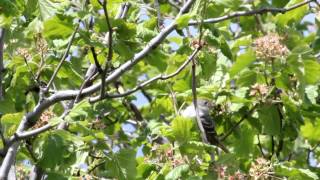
(259, 66)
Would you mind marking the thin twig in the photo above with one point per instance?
(94, 55)
(93, 168)
(63, 57)
(76, 100)
(258, 20)
(174, 100)
(88, 78)
(157, 7)
(29, 148)
(174, 4)
(272, 146)
(195, 104)
(32, 133)
(260, 146)
(239, 122)
(250, 13)
(142, 85)
(145, 93)
(110, 54)
(30, 70)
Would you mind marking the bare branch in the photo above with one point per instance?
(94, 167)
(146, 95)
(94, 55)
(174, 4)
(157, 7)
(253, 12)
(246, 115)
(91, 71)
(63, 57)
(110, 53)
(195, 104)
(142, 85)
(34, 132)
(125, 8)
(8, 161)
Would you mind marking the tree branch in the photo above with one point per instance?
(239, 122)
(63, 57)
(110, 53)
(157, 7)
(195, 104)
(142, 85)
(31, 133)
(253, 12)
(96, 62)
(174, 4)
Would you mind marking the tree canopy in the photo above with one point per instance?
(94, 89)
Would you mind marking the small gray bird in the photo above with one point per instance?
(208, 124)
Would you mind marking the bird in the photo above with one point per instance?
(204, 106)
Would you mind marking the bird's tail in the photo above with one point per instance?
(213, 139)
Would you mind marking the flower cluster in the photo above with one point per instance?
(261, 169)
(41, 44)
(258, 89)
(270, 46)
(44, 119)
(223, 174)
(24, 53)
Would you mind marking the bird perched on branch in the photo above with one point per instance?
(208, 123)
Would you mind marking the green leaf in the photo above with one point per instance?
(58, 27)
(225, 49)
(295, 173)
(292, 16)
(269, 116)
(181, 128)
(52, 143)
(55, 121)
(208, 64)
(242, 41)
(7, 106)
(243, 61)
(311, 130)
(312, 71)
(157, 59)
(312, 93)
(47, 9)
(10, 123)
(279, 4)
(292, 110)
(244, 142)
(122, 165)
(183, 21)
(247, 78)
(177, 172)
(80, 109)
